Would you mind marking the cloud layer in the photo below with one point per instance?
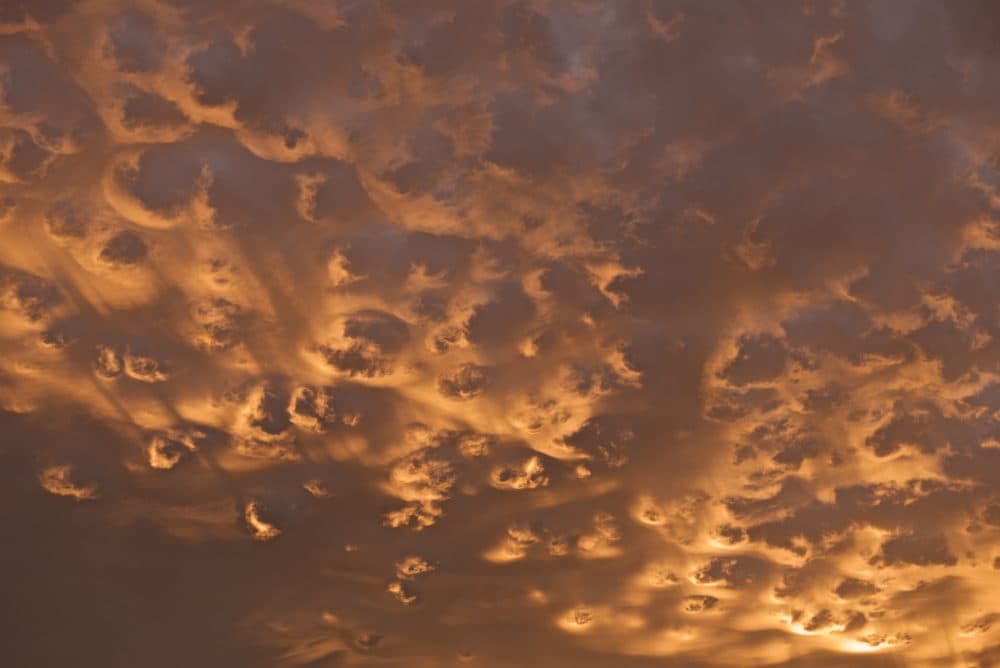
(513, 333)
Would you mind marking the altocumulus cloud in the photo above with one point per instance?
(502, 333)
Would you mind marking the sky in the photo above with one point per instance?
(505, 333)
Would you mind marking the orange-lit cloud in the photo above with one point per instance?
(507, 333)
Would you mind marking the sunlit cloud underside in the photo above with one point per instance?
(508, 333)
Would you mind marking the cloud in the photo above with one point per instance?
(57, 480)
(259, 528)
(522, 333)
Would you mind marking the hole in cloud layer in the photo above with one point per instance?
(467, 381)
(124, 248)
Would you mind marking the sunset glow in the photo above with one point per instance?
(501, 333)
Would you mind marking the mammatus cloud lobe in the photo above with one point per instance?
(509, 333)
